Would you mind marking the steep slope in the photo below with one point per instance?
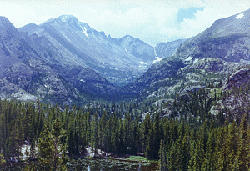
(164, 50)
(207, 58)
(233, 101)
(117, 60)
(29, 71)
(227, 39)
(14, 53)
(137, 48)
(162, 74)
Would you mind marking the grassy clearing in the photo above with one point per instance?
(141, 159)
(137, 158)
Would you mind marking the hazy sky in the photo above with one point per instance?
(153, 21)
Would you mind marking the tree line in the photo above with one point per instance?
(187, 138)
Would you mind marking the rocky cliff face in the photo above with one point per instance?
(210, 56)
(64, 60)
(32, 67)
(173, 76)
(162, 74)
(14, 53)
(164, 50)
(238, 79)
(70, 42)
(227, 39)
(235, 96)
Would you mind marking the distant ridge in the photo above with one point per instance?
(117, 60)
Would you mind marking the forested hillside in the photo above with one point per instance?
(186, 112)
(187, 139)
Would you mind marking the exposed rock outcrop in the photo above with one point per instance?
(238, 79)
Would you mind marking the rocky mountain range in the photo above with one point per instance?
(164, 50)
(209, 57)
(64, 60)
(76, 43)
(32, 67)
(227, 39)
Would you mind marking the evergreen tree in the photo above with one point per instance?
(94, 133)
(52, 147)
(242, 151)
(163, 156)
(2, 160)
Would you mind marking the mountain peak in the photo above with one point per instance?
(4, 21)
(129, 38)
(7, 27)
(67, 18)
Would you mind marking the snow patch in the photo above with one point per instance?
(239, 16)
(157, 60)
(126, 49)
(82, 80)
(155, 53)
(196, 60)
(142, 62)
(93, 35)
(26, 151)
(64, 18)
(85, 32)
(188, 59)
(66, 37)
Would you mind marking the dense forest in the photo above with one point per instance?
(189, 138)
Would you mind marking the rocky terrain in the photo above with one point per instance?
(227, 38)
(67, 41)
(64, 60)
(209, 57)
(234, 102)
(164, 50)
(31, 72)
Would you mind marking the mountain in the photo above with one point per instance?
(209, 57)
(227, 38)
(32, 67)
(71, 42)
(168, 49)
(235, 96)
(65, 60)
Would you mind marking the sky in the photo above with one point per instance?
(153, 21)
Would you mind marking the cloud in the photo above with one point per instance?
(214, 10)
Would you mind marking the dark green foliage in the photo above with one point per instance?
(189, 138)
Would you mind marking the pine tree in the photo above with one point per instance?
(52, 147)
(150, 148)
(157, 136)
(209, 163)
(185, 156)
(197, 155)
(94, 133)
(231, 146)
(174, 156)
(46, 147)
(163, 156)
(242, 158)
(145, 128)
(2, 160)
